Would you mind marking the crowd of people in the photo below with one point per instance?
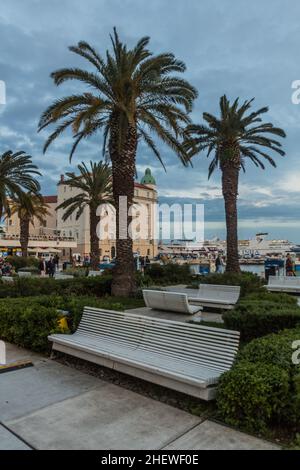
(48, 267)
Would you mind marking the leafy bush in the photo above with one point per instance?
(249, 282)
(25, 287)
(264, 295)
(253, 396)
(28, 326)
(168, 274)
(77, 272)
(245, 400)
(257, 318)
(28, 321)
(276, 349)
(19, 262)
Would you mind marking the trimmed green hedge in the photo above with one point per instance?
(28, 325)
(263, 387)
(26, 287)
(28, 321)
(252, 396)
(257, 318)
(19, 262)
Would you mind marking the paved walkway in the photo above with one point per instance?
(51, 406)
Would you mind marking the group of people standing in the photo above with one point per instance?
(48, 267)
(141, 263)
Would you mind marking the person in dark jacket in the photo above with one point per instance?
(51, 267)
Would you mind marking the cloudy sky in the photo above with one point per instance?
(241, 48)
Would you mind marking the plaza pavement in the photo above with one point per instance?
(52, 406)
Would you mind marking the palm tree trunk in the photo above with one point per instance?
(123, 172)
(230, 181)
(94, 240)
(24, 236)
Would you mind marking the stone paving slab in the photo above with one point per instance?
(213, 436)
(109, 418)
(52, 406)
(9, 441)
(24, 391)
(14, 354)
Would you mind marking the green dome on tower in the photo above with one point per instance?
(148, 178)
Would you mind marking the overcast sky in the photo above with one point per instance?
(241, 48)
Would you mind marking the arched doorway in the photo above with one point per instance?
(113, 252)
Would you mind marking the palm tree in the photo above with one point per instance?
(232, 138)
(28, 206)
(16, 174)
(131, 95)
(94, 187)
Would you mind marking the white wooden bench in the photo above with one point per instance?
(61, 276)
(217, 296)
(284, 284)
(95, 273)
(182, 356)
(169, 301)
(7, 279)
(24, 274)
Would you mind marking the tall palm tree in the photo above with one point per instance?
(232, 138)
(93, 187)
(29, 206)
(17, 173)
(131, 94)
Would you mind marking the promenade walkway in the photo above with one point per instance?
(52, 406)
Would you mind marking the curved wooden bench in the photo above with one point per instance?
(169, 301)
(182, 356)
(217, 296)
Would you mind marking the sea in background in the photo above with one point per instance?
(257, 269)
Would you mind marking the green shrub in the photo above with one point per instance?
(249, 282)
(28, 326)
(168, 274)
(257, 318)
(77, 272)
(253, 396)
(19, 262)
(26, 287)
(264, 295)
(276, 349)
(28, 321)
